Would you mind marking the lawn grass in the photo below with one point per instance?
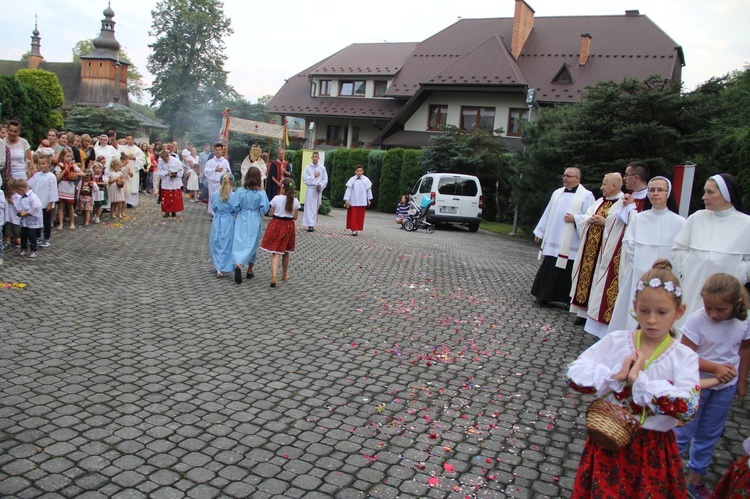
(502, 228)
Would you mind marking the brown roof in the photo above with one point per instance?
(474, 53)
(369, 59)
(68, 74)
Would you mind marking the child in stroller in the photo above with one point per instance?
(419, 219)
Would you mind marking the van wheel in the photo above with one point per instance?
(409, 225)
(474, 227)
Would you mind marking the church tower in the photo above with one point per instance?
(35, 56)
(104, 77)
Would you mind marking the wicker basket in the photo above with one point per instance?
(610, 426)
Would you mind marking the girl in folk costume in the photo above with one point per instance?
(67, 172)
(116, 189)
(651, 374)
(735, 484)
(100, 194)
(86, 197)
(357, 198)
(648, 237)
(222, 227)
(250, 203)
(720, 334)
(280, 237)
(713, 240)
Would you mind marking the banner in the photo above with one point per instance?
(682, 186)
(258, 128)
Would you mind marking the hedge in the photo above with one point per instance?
(44, 81)
(338, 175)
(390, 175)
(372, 170)
(411, 171)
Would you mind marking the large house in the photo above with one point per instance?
(476, 73)
(100, 79)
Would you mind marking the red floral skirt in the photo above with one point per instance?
(280, 236)
(171, 200)
(735, 484)
(650, 467)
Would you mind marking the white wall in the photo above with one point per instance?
(502, 102)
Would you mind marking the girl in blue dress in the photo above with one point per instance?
(222, 227)
(250, 203)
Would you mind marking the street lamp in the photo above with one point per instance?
(530, 95)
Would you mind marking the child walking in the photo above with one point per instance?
(116, 188)
(649, 373)
(2, 222)
(281, 234)
(12, 233)
(29, 209)
(193, 186)
(720, 334)
(250, 202)
(222, 227)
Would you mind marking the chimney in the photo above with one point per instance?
(35, 56)
(583, 58)
(523, 23)
(632, 13)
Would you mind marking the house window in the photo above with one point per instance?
(336, 135)
(477, 117)
(353, 88)
(380, 88)
(325, 87)
(438, 117)
(516, 117)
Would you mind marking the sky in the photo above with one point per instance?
(273, 41)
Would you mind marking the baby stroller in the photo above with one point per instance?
(419, 219)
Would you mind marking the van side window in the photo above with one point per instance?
(447, 186)
(426, 185)
(466, 187)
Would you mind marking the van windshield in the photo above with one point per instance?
(451, 186)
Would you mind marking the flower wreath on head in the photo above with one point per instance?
(657, 283)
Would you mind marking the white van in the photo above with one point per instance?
(458, 198)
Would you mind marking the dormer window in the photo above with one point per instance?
(380, 87)
(354, 88)
(563, 76)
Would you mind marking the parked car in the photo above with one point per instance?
(457, 197)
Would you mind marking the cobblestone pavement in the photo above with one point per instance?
(391, 364)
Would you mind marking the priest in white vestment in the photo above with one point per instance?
(255, 159)
(133, 175)
(315, 178)
(560, 240)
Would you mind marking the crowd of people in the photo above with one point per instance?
(667, 299)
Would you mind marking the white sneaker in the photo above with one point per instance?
(1, 261)
(23, 252)
(45, 243)
(32, 254)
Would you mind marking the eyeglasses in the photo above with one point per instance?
(626, 174)
(569, 176)
(655, 190)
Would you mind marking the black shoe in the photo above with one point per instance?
(310, 229)
(542, 303)
(580, 321)
(166, 215)
(238, 275)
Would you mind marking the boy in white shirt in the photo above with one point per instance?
(44, 185)
(30, 212)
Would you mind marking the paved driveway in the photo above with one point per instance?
(391, 364)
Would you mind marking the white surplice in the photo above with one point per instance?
(313, 195)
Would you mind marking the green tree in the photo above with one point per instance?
(337, 175)
(135, 78)
(28, 104)
(187, 59)
(95, 120)
(44, 81)
(390, 176)
(615, 123)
